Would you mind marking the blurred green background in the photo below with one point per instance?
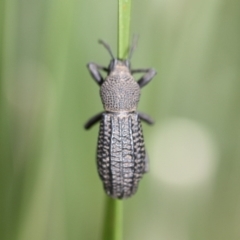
(49, 187)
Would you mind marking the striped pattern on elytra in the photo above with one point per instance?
(121, 157)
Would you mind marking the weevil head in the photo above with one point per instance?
(118, 66)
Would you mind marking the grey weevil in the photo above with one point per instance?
(121, 155)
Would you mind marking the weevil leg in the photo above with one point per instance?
(93, 120)
(147, 77)
(95, 73)
(146, 118)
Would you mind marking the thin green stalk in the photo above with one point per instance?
(124, 17)
(113, 219)
(113, 222)
(2, 15)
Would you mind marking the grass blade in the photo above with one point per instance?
(113, 222)
(124, 17)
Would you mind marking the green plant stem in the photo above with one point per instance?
(124, 17)
(113, 222)
(2, 15)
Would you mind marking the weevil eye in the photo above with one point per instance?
(127, 63)
(112, 65)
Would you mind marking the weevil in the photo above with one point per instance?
(121, 154)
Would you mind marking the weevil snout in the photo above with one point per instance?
(117, 65)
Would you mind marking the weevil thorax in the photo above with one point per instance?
(120, 92)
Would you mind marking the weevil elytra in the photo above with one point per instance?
(121, 155)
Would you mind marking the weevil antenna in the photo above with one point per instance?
(107, 47)
(133, 46)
